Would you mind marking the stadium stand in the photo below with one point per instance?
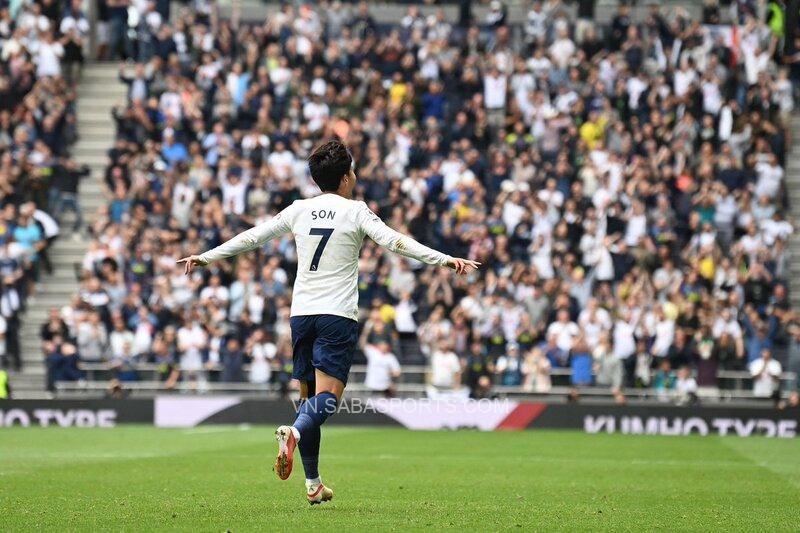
(41, 49)
(624, 186)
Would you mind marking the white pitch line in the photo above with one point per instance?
(203, 430)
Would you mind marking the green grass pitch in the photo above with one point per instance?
(138, 478)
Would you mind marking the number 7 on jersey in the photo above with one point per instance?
(325, 233)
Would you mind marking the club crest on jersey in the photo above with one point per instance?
(322, 214)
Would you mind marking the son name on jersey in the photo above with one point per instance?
(322, 214)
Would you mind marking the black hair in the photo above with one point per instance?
(329, 163)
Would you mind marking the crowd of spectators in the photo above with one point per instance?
(41, 52)
(623, 187)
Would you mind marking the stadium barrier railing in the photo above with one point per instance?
(97, 375)
(100, 371)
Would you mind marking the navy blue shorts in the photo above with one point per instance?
(326, 342)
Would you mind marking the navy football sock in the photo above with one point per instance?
(309, 452)
(315, 411)
(310, 417)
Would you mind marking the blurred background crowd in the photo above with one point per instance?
(623, 185)
(41, 53)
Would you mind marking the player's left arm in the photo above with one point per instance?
(243, 242)
(404, 245)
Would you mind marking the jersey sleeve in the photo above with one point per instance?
(252, 238)
(395, 241)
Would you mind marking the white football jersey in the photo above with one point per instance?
(328, 231)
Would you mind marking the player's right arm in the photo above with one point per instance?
(404, 245)
(243, 242)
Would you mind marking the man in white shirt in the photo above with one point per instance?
(495, 85)
(48, 56)
(636, 85)
(770, 175)
(564, 330)
(382, 368)
(404, 311)
(31, 20)
(183, 196)
(262, 352)
(562, 49)
(766, 373)
(281, 161)
(685, 387)
(281, 77)
(536, 24)
(495, 88)
(445, 368)
(316, 112)
(756, 61)
(637, 224)
(119, 338)
(192, 341)
(215, 291)
(170, 101)
(776, 228)
(234, 190)
(329, 231)
(624, 335)
(92, 337)
(684, 77)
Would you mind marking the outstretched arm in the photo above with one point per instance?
(404, 245)
(244, 242)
